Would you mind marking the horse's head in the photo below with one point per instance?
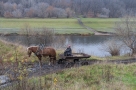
(29, 51)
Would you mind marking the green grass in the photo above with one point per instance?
(11, 51)
(101, 24)
(37, 23)
(72, 31)
(61, 26)
(94, 77)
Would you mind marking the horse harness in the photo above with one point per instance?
(39, 49)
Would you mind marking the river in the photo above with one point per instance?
(92, 45)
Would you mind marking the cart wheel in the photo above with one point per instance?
(70, 64)
(76, 60)
(61, 61)
(84, 63)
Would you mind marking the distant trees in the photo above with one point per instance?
(32, 9)
(17, 13)
(96, 7)
(69, 12)
(1, 8)
(41, 10)
(116, 8)
(66, 8)
(130, 7)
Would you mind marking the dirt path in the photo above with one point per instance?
(47, 69)
(36, 71)
(93, 30)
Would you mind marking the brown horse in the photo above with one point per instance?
(46, 51)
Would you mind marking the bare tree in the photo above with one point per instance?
(59, 42)
(41, 9)
(48, 35)
(69, 12)
(59, 13)
(17, 13)
(27, 3)
(125, 30)
(42, 36)
(50, 11)
(112, 47)
(1, 8)
(27, 31)
(96, 7)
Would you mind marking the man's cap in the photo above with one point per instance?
(68, 45)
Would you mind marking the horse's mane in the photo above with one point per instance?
(27, 48)
(30, 47)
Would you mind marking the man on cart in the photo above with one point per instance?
(68, 51)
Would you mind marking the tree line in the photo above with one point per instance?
(67, 8)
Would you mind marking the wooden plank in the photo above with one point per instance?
(75, 56)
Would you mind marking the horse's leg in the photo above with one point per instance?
(53, 60)
(50, 61)
(40, 63)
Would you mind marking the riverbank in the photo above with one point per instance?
(73, 34)
(31, 67)
(98, 76)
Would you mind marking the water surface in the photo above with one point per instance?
(92, 45)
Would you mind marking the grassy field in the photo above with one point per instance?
(101, 24)
(10, 52)
(37, 23)
(95, 77)
(61, 26)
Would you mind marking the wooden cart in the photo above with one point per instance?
(71, 60)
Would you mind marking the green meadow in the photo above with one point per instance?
(60, 26)
(37, 23)
(94, 77)
(101, 24)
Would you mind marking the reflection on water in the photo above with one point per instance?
(92, 45)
